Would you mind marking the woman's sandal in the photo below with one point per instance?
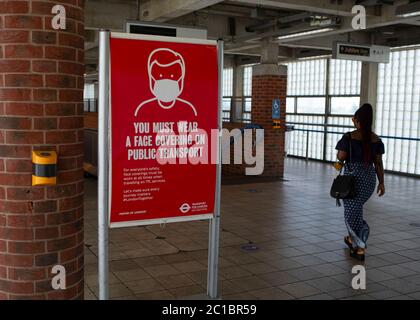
(357, 253)
(347, 241)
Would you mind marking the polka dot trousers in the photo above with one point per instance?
(353, 208)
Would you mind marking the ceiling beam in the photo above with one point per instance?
(326, 42)
(164, 10)
(241, 47)
(387, 18)
(413, 22)
(112, 15)
(317, 6)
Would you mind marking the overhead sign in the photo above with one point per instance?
(373, 53)
(164, 107)
(169, 30)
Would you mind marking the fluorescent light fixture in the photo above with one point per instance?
(408, 15)
(304, 33)
(411, 46)
(408, 10)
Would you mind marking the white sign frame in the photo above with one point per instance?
(104, 154)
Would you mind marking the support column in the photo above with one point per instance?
(369, 85)
(269, 82)
(41, 108)
(238, 88)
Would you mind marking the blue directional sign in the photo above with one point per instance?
(276, 109)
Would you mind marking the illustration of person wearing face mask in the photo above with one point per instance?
(166, 70)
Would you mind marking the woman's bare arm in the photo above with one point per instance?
(379, 168)
(342, 155)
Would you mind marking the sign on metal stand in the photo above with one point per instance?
(160, 127)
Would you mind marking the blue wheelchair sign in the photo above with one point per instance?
(276, 109)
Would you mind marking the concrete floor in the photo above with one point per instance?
(299, 234)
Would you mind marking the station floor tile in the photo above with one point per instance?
(298, 235)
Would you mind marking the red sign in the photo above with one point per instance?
(164, 106)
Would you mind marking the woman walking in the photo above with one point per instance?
(365, 164)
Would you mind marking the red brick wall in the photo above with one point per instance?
(41, 95)
(265, 88)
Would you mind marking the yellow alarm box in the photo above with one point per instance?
(44, 168)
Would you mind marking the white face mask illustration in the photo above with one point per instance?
(166, 71)
(166, 90)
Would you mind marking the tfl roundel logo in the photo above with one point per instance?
(185, 208)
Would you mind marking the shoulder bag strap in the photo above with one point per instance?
(350, 151)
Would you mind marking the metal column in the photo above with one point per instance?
(327, 111)
(103, 164)
(214, 226)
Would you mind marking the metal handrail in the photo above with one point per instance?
(319, 124)
(336, 132)
(321, 114)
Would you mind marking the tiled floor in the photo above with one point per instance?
(299, 234)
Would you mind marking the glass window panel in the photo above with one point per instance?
(228, 82)
(344, 105)
(397, 109)
(345, 77)
(89, 98)
(226, 104)
(306, 77)
(310, 105)
(246, 117)
(396, 112)
(89, 92)
(226, 116)
(290, 105)
(247, 104)
(247, 89)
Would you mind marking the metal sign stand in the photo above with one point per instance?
(103, 164)
(214, 225)
(103, 176)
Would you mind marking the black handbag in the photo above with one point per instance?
(344, 186)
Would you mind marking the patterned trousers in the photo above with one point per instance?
(357, 227)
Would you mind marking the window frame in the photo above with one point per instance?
(326, 115)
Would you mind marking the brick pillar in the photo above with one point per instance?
(41, 97)
(269, 81)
